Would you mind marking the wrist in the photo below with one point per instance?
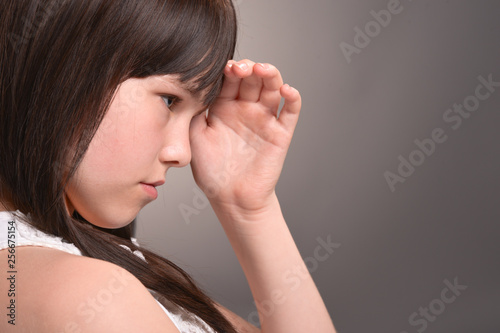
(230, 212)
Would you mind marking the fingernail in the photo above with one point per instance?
(242, 66)
(265, 66)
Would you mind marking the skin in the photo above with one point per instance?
(139, 139)
(236, 153)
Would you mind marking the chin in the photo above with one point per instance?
(109, 219)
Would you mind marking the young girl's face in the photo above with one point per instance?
(144, 132)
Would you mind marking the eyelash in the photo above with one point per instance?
(173, 100)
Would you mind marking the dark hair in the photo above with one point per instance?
(60, 63)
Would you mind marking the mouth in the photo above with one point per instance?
(150, 188)
(155, 184)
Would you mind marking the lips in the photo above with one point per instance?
(150, 188)
(155, 184)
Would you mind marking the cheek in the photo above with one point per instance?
(99, 189)
(126, 137)
(105, 189)
(113, 149)
(102, 199)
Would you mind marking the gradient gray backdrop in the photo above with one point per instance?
(396, 248)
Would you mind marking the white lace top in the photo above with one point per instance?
(26, 235)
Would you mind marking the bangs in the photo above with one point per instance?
(193, 39)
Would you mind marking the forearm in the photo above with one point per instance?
(243, 131)
(285, 294)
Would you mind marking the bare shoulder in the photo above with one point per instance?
(61, 292)
(239, 323)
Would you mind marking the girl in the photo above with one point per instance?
(98, 99)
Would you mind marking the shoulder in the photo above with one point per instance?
(81, 294)
(239, 323)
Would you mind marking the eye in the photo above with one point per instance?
(170, 101)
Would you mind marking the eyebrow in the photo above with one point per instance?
(188, 87)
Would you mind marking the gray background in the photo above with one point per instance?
(397, 248)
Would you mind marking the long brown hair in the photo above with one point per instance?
(60, 63)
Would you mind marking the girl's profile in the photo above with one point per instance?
(98, 100)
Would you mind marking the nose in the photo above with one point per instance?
(176, 151)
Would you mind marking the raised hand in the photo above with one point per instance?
(238, 151)
(237, 156)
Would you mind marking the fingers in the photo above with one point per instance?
(251, 84)
(240, 82)
(231, 86)
(261, 83)
(289, 114)
(272, 81)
